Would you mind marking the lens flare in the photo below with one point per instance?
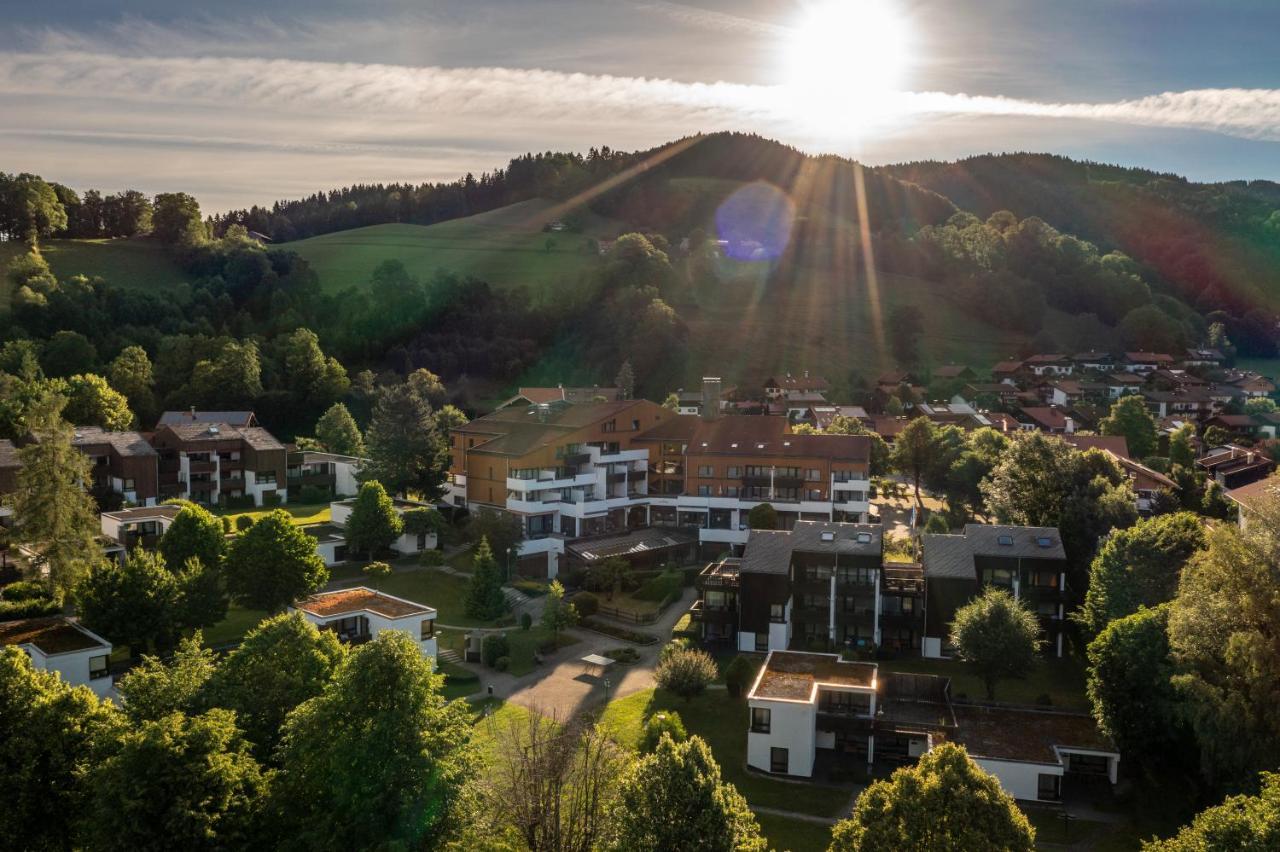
(754, 223)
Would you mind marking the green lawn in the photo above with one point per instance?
(1062, 680)
(722, 722)
(1053, 833)
(795, 835)
(141, 264)
(505, 247)
(238, 622)
(302, 513)
(446, 592)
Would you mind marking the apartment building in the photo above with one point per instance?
(1027, 561)
(122, 462)
(208, 462)
(140, 526)
(777, 386)
(332, 473)
(1232, 466)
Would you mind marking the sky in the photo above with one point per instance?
(244, 102)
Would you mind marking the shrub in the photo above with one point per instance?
(623, 655)
(25, 590)
(227, 526)
(532, 588)
(243, 522)
(686, 673)
(271, 498)
(674, 647)
(431, 558)
(586, 603)
(663, 722)
(33, 608)
(313, 494)
(502, 663)
(738, 675)
(244, 501)
(495, 647)
(665, 585)
(526, 621)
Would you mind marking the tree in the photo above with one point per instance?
(1182, 446)
(202, 595)
(1239, 824)
(405, 449)
(337, 432)
(762, 516)
(945, 803)
(664, 723)
(93, 402)
(1131, 419)
(611, 574)
(557, 613)
(282, 663)
(378, 758)
(1222, 633)
(674, 799)
(502, 530)
(52, 510)
(194, 534)
(626, 381)
(313, 380)
(1130, 686)
(915, 450)
(686, 672)
(377, 572)
(1149, 329)
(671, 402)
(274, 563)
(937, 524)
(485, 600)
(1139, 566)
(48, 730)
(68, 353)
(176, 221)
(155, 688)
(739, 675)
(131, 374)
(997, 636)
(906, 324)
(132, 604)
(1216, 436)
(232, 378)
(29, 208)
(373, 525)
(180, 781)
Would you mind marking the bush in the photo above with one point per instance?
(739, 675)
(313, 494)
(686, 673)
(25, 590)
(586, 603)
(227, 526)
(244, 501)
(675, 646)
(502, 663)
(33, 608)
(431, 558)
(243, 522)
(623, 655)
(617, 632)
(532, 588)
(495, 647)
(270, 499)
(526, 621)
(665, 585)
(664, 722)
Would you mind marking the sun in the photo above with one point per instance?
(844, 59)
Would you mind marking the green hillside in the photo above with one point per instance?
(127, 263)
(506, 247)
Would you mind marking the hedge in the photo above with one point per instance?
(668, 584)
(617, 631)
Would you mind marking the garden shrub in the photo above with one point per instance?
(313, 494)
(271, 499)
(663, 722)
(586, 603)
(25, 590)
(494, 647)
(526, 621)
(243, 522)
(502, 663)
(431, 558)
(665, 585)
(738, 675)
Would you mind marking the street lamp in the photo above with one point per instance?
(511, 551)
(606, 690)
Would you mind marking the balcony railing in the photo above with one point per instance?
(702, 611)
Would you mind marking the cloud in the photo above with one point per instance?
(710, 20)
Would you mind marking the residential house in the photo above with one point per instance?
(1027, 561)
(1195, 403)
(331, 542)
(63, 645)
(1114, 445)
(1252, 385)
(1100, 362)
(821, 416)
(798, 403)
(1003, 392)
(1049, 419)
(1268, 424)
(140, 526)
(560, 393)
(1232, 466)
(238, 419)
(1145, 362)
(1121, 383)
(359, 614)
(1006, 370)
(1248, 497)
(332, 473)
(1236, 425)
(407, 544)
(888, 426)
(209, 463)
(779, 385)
(1203, 358)
(122, 462)
(1054, 364)
(954, 372)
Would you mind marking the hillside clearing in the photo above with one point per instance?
(140, 264)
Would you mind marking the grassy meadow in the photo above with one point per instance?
(128, 263)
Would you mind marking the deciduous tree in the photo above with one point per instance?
(1239, 824)
(194, 534)
(176, 221)
(373, 525)
(93, 402)
(557, 613)
(762, 516)
(156, 688)
(997, 636)
(406, 451)
(1131, 419)
(134, 603)
(337, 432)
(273, 564)
(686, 672)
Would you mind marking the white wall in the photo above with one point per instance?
(73, 667)
(1020, 780)
(344, 479)
(328, 551)
(339, 512)
(791, 727)
(931, 646)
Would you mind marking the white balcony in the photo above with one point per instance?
(723, 536)
(533, 485)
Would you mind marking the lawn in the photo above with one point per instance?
(1062, 680)
(722, 722)
(301, 513)
(140, 264)
(446, 592)
(238, 622)
(522, 645)
(1052, 832)
(796, 835)
(506, 247)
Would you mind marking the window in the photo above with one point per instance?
(706, 470)
(733, 472)
(611, 426)
(775, 613)
(863, 575)
(704, 490)
(267, 476)
(813, 475)
(1048, 608)
(998, 577)
(846, 703)
(635, 425)
(1048, 787)
(1005, 540)
(428, 629)
(762, 641)
(98, 667)
(1044, 541)
(815, 493)
(731, 491)
(128, 485)
(778, 761)
(760, 718)
(1045, 579)
(864, 538)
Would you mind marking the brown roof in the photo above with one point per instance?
(794, 675)
(1027, 735)
(124, 443)
(1114, 444)
(233, 418)
(1148, 357)
(1050, 418)
(1246, 495)
(325, 604)
(803, 382)
(745, 434)
(1125, 379)
(53, 635)
(1046, 359)
(887, 425)
(1007, 367)
(255, 436)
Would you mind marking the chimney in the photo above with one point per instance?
(710, 397)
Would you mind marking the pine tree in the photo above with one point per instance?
(337, 432)
(373, 525)
(485, 600)
(626, 380)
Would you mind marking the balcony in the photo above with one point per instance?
(893, 620)
(202, 466)
(720, 575)
(843, 723)
(766, 481)
(857, 615)
(705, 613)
(811, 614)
(855, 581)
(902, 579)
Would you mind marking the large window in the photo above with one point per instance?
(704, 490)
(776, 613)
(998, 577)
(778, 760)
(863, 575)
(706, 470)
(846, 703)
(428, 629)
(733, 472)
(98, 667)
(760, 718)
(813, 475)
(1049, 787)
(762, 641)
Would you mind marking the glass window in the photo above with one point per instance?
(760, 720)
(704, 490)
(98, 667)
(1048, 787)
(1005, 540)
(813, 475)
(731, 491)
(733, 472)
(778, 761)
(706, 470)
(775, 612)
(815, 494)
(762, 641)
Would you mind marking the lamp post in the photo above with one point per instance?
(511, 551)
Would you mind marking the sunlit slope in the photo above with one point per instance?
(127, 263)
(506, 247)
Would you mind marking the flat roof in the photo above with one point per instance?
(770, 551)
(323, 532)
(144, 513)
(796, 675)
(360, 599)
(55, 634)
(1005, 733)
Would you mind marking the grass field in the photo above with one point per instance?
(506, 247)
(302, 513)
(1062, 680)
(126, 263)
(784, 833)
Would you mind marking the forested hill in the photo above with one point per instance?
(1217, 244)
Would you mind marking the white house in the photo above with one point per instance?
(59, 644)
(331, 542)
(141, 525)
(408, 544)
(359, 614)
(802, 702)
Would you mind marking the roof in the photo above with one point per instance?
(360, 599)
(747, 434)
(802, 382)
(769, 551)
(1007, 367)
(1125, 379)
(630, 544)
(124, 443)
(538, 395)
(8, 455)
(1247, 495)
(1048, 417)
(1234, 421)
(255, 436)
(1204, 355)
(55, 634)
(1053, 358)
(1145, 478)
(313, 456)
(516, 430)
(1148, 358)
(950, 371)
(144, 513)
(795, 676)
(1117, 445)
(1004, 733)
(887, 425)
(1092, 356)
(824, 414)
(951, 556)
(325, 532)
(231, 418)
